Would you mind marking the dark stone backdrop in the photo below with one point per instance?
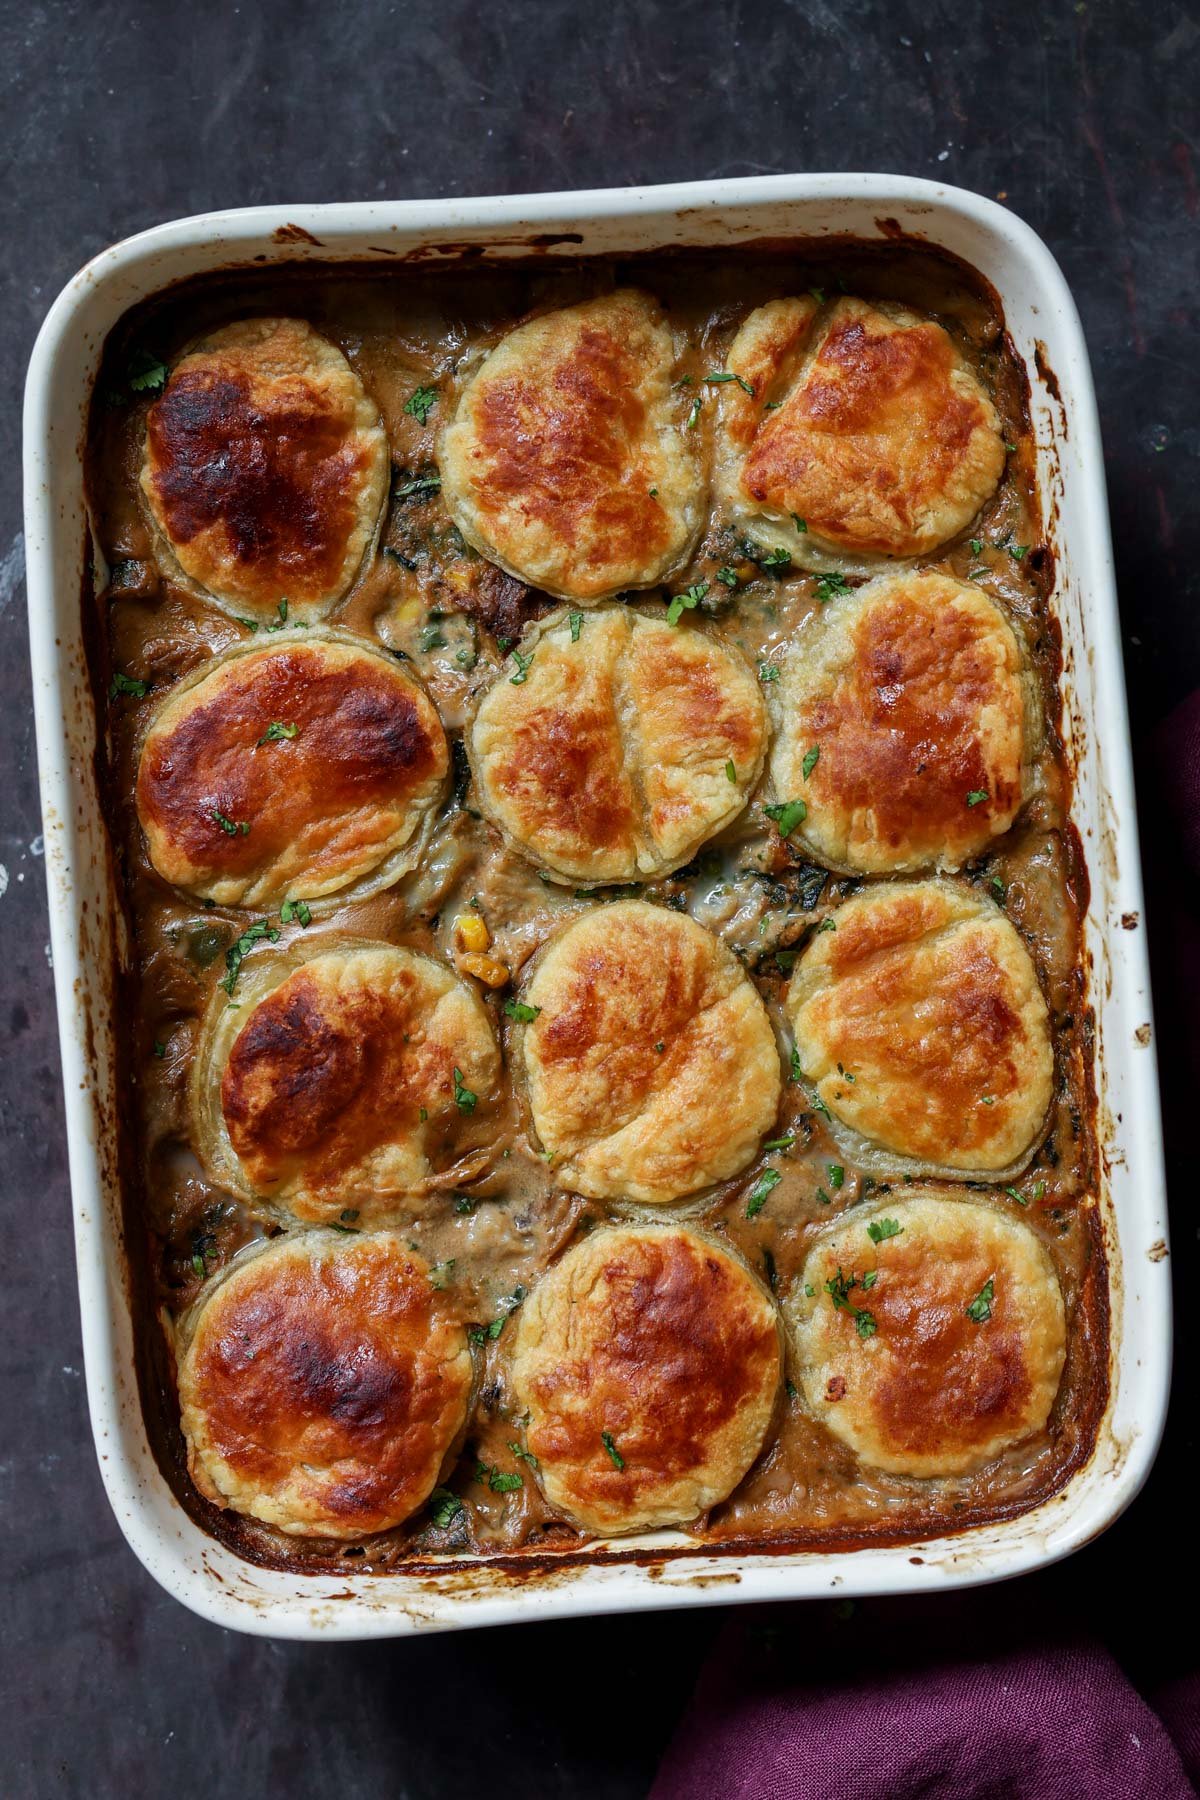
(114, 116)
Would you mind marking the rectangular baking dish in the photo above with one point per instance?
(86, 924)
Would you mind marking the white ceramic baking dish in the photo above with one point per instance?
(84, 922)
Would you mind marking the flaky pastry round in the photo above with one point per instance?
(919, 1024)
(347, 1081)
(651, 1066)
(866, 436)
(905, 724)
(649, 1360)
(565, 461)
(624, 747)
(929, 1333)
(265, 471)
(308, 767)
(323, 1383)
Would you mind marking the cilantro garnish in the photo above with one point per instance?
(614, 1455)
(787, 815)
(420, 403)
(686, 602)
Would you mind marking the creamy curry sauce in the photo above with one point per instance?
(424, 593)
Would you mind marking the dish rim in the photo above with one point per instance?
(212, 1580)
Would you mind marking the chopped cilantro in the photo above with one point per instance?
(525, 1455)
(276, 732)
(146, 374)
(998, 888)
(431, 638)
(297, 910)
(980, 1309)
(768, 671)
(780, 1143)
(831, 584)
(444, 1507)
(730, 770)
(799, 523)
(418, 484)
(977, 796)
(787, 815)
(575, 620)
(1018, 552)
(777, 559)
(757, 1197)
(126, 684)
(1015, 1193)
(864, 1323)
(464, 1099)
(231, 827)
(811, 759)
(237, 953)
(160, 1049)
(796, 1070)
(522, 663)
(976, 546)
(686, 602)
(420, 403)
(728, 375)
(498, 1480)
(880, 1230)
(525, 1015)
(690, 424)
(614, 1455)
(836, 1174)
(727, 576)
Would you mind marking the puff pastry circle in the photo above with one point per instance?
(930, 1333)
(323, 1384)
(649, 1361)
(265, 470)
(567, 461)
(627, 744)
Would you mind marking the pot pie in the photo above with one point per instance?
(605, 1005)
(626, 747)
(310, 768)
(265, 467)
(343, 1081)
(323, 1384)
(853, 431)
(913, 694)
(634, 1423)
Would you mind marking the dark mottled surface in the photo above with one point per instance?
(113, 117)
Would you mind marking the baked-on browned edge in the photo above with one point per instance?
(1091, 1320)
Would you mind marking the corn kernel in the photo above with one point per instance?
(485, 968)
(471, 931)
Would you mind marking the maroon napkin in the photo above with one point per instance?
(1057, 1722)
(1015, 1692)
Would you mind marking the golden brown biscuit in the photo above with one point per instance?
(346, 1078)
(866, 435)
(930, 1333)
(649, 1360)
(920, 1025)
(266, 469)
(307, 767)
(565, 462)
(609, 760)
(322, 1385)
(652, 1068)
(904, 725)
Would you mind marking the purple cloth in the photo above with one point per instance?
(1056, 1723)
(1005, 1693)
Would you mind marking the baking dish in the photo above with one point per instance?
(85, 922)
